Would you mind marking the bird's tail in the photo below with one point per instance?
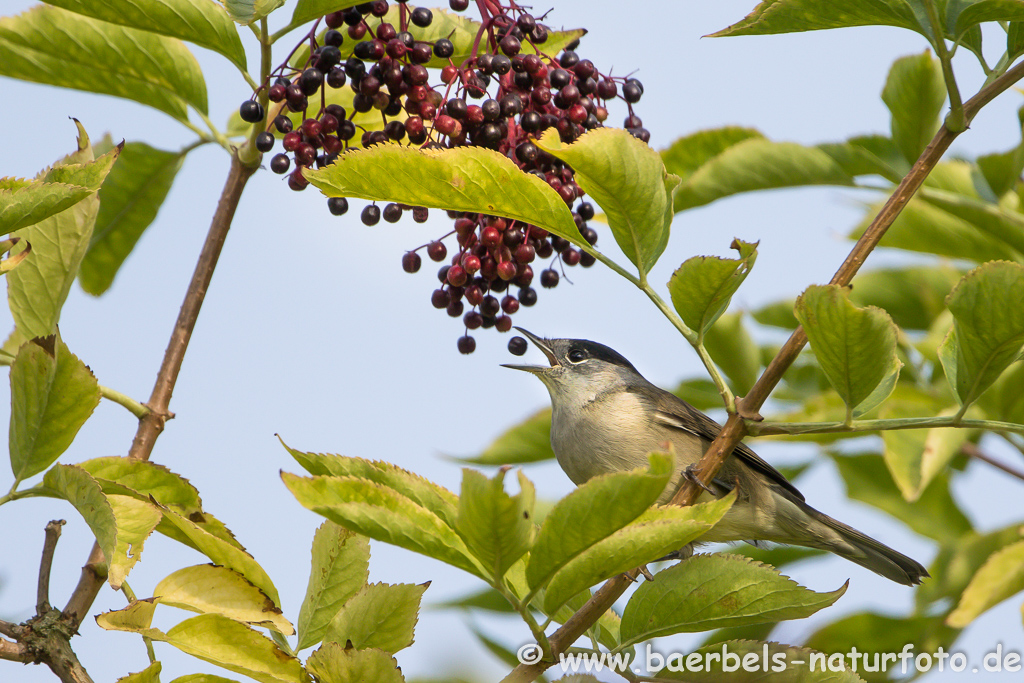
(866, 551)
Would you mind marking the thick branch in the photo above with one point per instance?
(152, 424)
(53, 529)
(734, 428)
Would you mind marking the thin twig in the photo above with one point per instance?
(53, 529)
(973, 451)
(955, 121)
(747, 407)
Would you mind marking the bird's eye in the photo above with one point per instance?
(576, 356)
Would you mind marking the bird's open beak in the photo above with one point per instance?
(543, 346)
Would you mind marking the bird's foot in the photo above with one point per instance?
(646, 572)
(691, 474)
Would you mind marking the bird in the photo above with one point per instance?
(606, 418)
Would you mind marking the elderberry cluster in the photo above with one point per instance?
(501, 93)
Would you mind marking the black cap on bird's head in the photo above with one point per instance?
(567, 353)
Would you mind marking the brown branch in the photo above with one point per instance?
(53, 529)
(14, 652)
(152, 424)
(748, 406)
(973, 451)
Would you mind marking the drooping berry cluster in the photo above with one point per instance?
(502, 93)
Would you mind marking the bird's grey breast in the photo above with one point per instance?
(601, 433)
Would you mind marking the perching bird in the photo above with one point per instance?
(606, 418)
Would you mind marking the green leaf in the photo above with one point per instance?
(629, 181)
(702, 394)
(1005, 401)
(212, 589)
(753, 661)
(876, 633)
(868, 155)
(958, 561)
(202, 23)
(788, 16)
(74, 485)
(778, 314)
(37, 290)
(135, 521)
(380, 616)
(151, 674)
(216, 639)
(913, 296)
(246, 12)
(144, 478)
(961, 189)
(203, 678)
(934, 514)
(714, 591)
(758, 164)
(914, 92)
(528, 441)
(1015, 40)
(703, 286)
(962, 15)
(53, 393)
(687, 154)
(855, 347)
(224, 553)
(927, 228)
(334, 663)
(914, 457)
(308, 10)
(424, 492)
(655, 534)
(26, 202)
(129, 201)
(112, 60)
(594, 511)
(1000, 577)
(734, 351)
(461, 179)
(339, 568)
(486, 599)
(988, 328)
(497, 528)
(383, 514)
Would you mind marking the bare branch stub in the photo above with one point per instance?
(53, 529)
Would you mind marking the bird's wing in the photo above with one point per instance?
(677, 414)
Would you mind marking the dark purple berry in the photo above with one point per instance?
(411, 262)
(517, 346)
(631, 92)
(527, 296)
(251, 111)
(440, 298)
(443, 48)
(548, 278)
(422, 17)
(437, 251)
(466, 344)
(338, 206)
(472, 320)
(392, 214)
(280, 164)
(265, 141)
(310, 80)
(370, 215)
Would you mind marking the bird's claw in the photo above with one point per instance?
(691, 474)
(646, 573)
